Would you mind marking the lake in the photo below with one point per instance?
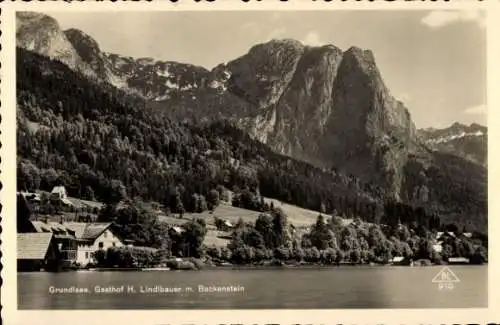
(298, 288)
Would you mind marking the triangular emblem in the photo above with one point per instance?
(445, 275)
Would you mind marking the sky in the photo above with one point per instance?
(433, 61)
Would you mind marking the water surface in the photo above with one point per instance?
(298, 288)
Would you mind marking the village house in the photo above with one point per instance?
(437, 244)
(176, 230)
(77, 241)
(223, 225)
(59, 195)
(441, 237)
(227, 226)
(443, 234)
(31, 196)
(36, 252)
(438, 247)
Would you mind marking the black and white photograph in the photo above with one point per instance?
(246, 160)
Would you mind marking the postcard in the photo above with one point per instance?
(215, 163)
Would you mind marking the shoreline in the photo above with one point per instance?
(237, 267)
(253, 267)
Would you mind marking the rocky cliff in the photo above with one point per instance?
(318, 104)
(43, 35)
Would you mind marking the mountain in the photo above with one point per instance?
(321, 105)
(106, 144)
(89, 51)
(317, 104)
(466, 141)
(42, 34)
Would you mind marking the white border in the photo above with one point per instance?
(11, 315)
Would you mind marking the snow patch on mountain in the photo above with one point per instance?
(162, 98)
(171, 85)
(456, 136)
(164, 73)
(216, 84)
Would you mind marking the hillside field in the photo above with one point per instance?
(299, 217)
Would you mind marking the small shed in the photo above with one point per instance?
(228, 225)
(400, 260)
(176, 230)
(458, 260)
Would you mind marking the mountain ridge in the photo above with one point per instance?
(466, 141)
(322, 105)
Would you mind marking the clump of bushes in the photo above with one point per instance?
(125, 257)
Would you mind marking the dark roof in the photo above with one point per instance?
(33, 245)
(94, 230)
(81, 230)
(77, 227)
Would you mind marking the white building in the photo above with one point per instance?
(59, 194)
(93, 237)
(87, 238)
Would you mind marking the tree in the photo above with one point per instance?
(264, 225)
(213, 199)
(466, 248)
(100, 257)
(315, 255)
(425, 249)
(279, 227)
(214, 252)
(446, 252)
(117, 192)
(329, 255)
(298, 253)
(407, 251)
(88, 193)
(403, 233)
(28, 176)
(281, 253)
(355, 256)
(193, 236)
(322, 208)
(179, 206)
(348, 239)
(321, 236)
(223, 193)
(336, 224)
(480, 256)
(375, 236)
(340, 257)
(23, 215)
(198, 203)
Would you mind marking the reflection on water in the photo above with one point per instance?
(343, 287)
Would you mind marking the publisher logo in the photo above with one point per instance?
(445, 279)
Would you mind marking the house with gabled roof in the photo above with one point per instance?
(78, 240)
(59, 194)
(63, 236)
(36, 252)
